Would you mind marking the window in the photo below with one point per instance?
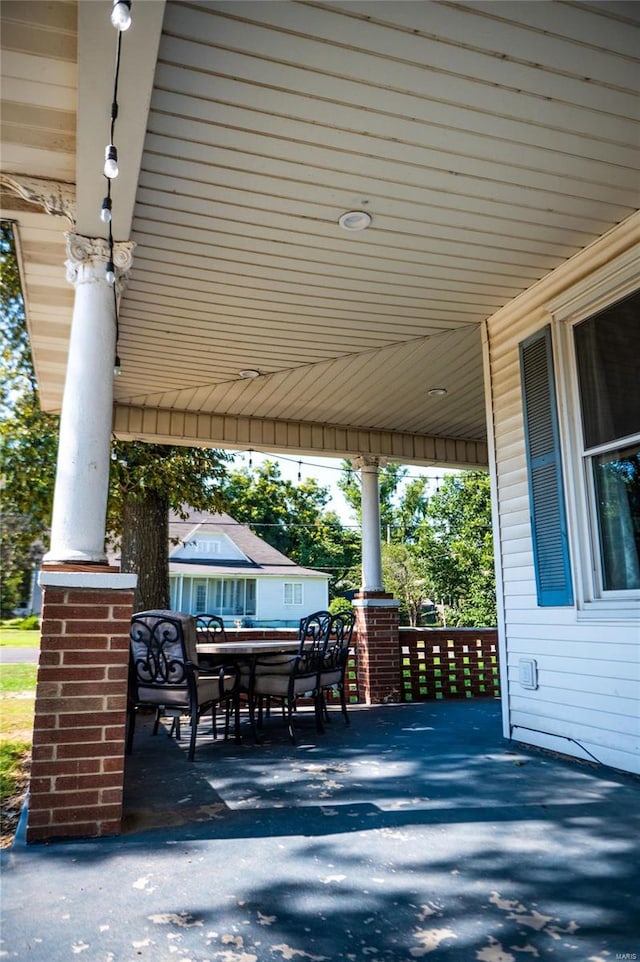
(200, 597)
(293, 592)
(217, 596)
(607, 348)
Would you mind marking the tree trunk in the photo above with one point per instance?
(145, 549)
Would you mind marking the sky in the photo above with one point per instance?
(326, 471)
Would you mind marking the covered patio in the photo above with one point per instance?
(367, 230)
(417, 832)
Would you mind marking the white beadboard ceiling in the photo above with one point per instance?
(489, 142)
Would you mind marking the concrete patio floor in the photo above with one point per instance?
(417, 832)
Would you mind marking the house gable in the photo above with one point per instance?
(209, 547)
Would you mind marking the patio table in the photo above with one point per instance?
(244, 654)
(247, 649)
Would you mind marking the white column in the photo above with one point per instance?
(82, 475)
(371, 547)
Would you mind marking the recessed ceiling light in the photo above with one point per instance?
(355, 220)
(249, 374)
(437, 392)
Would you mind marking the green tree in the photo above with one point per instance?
(456, 542)
(147, 481)
(404, 575)
(293, 519)
(28, 441)
(389, 477)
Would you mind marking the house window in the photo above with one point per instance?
(607, 348)
(293, 592)
(200, 597)
(217, 596)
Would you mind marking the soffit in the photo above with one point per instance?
(489, 142)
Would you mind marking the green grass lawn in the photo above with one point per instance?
(19, 638)
(17, 700)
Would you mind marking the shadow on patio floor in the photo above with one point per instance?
(416, 832)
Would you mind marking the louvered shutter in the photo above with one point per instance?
(544, 468)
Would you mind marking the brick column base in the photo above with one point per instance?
(378, 648)
(77, 769)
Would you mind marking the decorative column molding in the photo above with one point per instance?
(54, 197)
(82, 477)
(87, 259)
(371, 547)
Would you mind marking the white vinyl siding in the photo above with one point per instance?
(587, 702)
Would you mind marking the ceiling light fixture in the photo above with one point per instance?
(249, 374)
(355, 220)
(437, 392)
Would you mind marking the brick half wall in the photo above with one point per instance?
(77, 769)
(444, 663)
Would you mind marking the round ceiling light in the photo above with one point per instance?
(355, 220)
(249, 374)
(437, 392)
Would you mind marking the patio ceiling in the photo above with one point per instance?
(489, 142)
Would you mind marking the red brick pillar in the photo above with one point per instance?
(378, 647)
(77, 770)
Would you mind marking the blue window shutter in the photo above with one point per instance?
(544, 469)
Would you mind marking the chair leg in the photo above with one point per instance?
(289, 715)
(131, 725)
(318, 703)
(343, 705)
(194, 732)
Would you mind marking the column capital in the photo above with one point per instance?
(367, 461)
(88, 256)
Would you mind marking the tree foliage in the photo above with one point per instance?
(437, 546)
(28, 441)
(293, 519)
(146, 482)
(456, 541)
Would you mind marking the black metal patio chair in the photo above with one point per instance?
(288, 678)
(335, 659)
(165, 673)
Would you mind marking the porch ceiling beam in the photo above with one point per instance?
(162, 426)
(96, 62)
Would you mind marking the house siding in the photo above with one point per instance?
(270, 603)
(587, 702)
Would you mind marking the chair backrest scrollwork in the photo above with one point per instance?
(161, 652)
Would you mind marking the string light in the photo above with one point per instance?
(121, 14)
(121, 20)
(105, 210)
(111, 169)
(352, 476)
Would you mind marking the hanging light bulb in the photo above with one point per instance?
(121, 14)
(117, 369)
(110, 161)
(110, 274)
(105, 211)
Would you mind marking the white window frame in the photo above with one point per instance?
(603, 288)
(293, 585)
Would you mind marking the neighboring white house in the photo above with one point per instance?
(220, 567)
(563, 369)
